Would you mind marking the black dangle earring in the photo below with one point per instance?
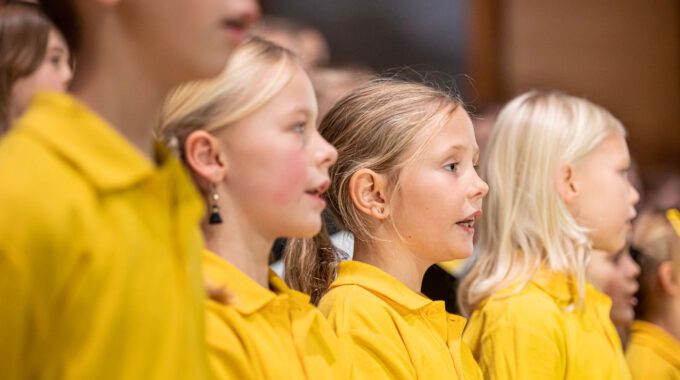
(215, 217)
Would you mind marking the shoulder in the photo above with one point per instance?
(529, 309)
(43, 199)
(525, 302)
(30, 169)
(355, 307)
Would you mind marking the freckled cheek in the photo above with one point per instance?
(289, 177)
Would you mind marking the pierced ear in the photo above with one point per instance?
(367, 190)
(668, 281)
(566, 185)
(204, 155)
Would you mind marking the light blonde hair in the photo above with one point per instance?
(526, 224)
(381, 126)
(656, 241)
(256, 72)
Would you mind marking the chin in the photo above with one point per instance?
(460, 253)
(310, 230)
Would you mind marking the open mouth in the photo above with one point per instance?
(319, 190)
(236, 24)
(237, 27)
(469, 222)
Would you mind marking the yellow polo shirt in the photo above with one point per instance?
(393, 332)
(537, 334)
(99, 256)
(267, 334)
(652, 353)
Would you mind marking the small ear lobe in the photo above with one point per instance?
(668, 281)
(205, 157)
(367, 190)
(566, 185)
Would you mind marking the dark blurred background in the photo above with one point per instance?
(624, 55)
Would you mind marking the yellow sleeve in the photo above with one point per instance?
(14, 314)
(376, 356)
(228, 359)
(512, 351)
(469, 366)
(366, 329)
(645, 364)
(39, 251)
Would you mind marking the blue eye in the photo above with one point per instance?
(452, 167)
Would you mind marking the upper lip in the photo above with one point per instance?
(320, 189)
(242, 22)
(471, 218)
(236, 23)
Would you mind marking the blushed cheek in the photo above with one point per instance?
(289, 177)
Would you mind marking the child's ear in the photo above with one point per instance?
(669, 282)
(566, 184)
(204, 155)
(367, 190)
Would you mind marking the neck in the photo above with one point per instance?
(13, 113)
(394, 259)
(624, 334)
(241, 246)
(121, 90)
(668, 319)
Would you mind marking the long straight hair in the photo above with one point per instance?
(526, 224)
(380, 126)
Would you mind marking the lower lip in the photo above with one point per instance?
(318, 199)
(633, 301)
(235, 34)
(469, 230)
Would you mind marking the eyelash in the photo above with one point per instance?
(55, 60)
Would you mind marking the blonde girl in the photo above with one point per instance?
(406, 186)
(557, 168)
(654, 349)
(249, 139)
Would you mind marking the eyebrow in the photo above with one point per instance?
(58, 49)
(302, 110)
(460, 147)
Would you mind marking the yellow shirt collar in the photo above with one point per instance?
(88, 142)
(248, 295)
(662, 342)
(377, 281)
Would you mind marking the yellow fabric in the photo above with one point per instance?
(452, 266)
(537, 333)
(393, 332)
(652, 353)
(99, 256)
(267, 334)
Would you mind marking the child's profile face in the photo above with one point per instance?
(615, 274)
(186, 39)
(605, 202)
(277, 164)
(53, 74)
(440, 195)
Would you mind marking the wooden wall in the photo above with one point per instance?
(624, 55)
